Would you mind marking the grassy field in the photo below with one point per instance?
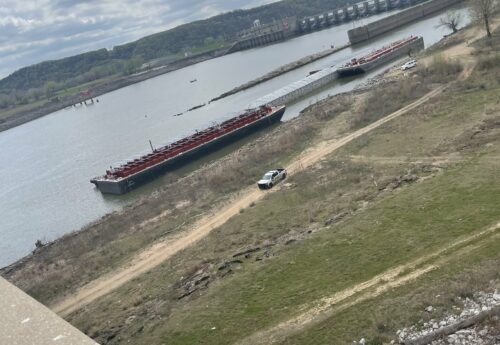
(401, 193)
(452, 144)
(378, 319)
(392, 231)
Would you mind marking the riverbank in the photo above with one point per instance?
(12, 118)
(17, 116)
(26, 113)
(377, 200)
(190, 197)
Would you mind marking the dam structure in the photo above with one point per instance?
(366, 32)
(262, 34)
(349, 13)
(282, 29)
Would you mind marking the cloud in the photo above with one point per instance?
(32, 31)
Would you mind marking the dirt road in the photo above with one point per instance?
(396, 276)
(156, 254)
(163, 250)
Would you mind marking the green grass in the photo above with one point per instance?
(386, 229)
(452, 114)
(393, 230)
(7, 113)
(380, 317)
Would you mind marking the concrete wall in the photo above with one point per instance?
(304, 90)
(25, 321)
(265, 34)
(257, 41)
(379, 27)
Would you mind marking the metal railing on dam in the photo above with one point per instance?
(384, 25)
(352, 12)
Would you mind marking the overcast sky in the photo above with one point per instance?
(32, 31)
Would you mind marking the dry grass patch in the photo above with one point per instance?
(440, 70)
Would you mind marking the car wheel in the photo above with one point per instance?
(284, 176)
(270, 185)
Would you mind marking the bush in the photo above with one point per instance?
(489, 62)
(385, 100)
(440, 70)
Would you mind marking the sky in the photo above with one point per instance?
(33, 31)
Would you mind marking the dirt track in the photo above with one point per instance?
(156, 254)
(396, 276)
(377, 285)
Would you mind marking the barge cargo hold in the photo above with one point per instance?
(134, 173)
(386, 54)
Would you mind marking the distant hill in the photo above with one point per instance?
(201, 35)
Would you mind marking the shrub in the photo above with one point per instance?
(385, 100)
(440, 70)
(489, 62)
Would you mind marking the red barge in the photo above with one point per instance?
(383, 55)
(136, 172)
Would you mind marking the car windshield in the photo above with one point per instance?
(267, 176)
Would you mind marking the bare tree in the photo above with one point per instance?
(482, 11)
(451, 20)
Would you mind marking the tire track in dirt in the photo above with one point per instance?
(371, 288)
(163, 250)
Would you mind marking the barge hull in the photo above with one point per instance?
(411, 47)
(131, 182)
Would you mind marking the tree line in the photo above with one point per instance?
(44, 79)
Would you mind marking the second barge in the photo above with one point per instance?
(383, 55)
(134, 173)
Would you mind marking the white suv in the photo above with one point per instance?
(409, 64)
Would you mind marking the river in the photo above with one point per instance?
(46, 164)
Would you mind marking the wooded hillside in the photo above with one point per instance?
(43, 79)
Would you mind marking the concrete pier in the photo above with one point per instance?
(384, 25)
(299, 88)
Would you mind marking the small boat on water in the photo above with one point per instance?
(383, 55)
(136, 172)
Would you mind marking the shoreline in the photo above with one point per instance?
(383, 76)
(24, 116)
(116, 82)
(440, 44)
(47, 108)
(137, 204)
